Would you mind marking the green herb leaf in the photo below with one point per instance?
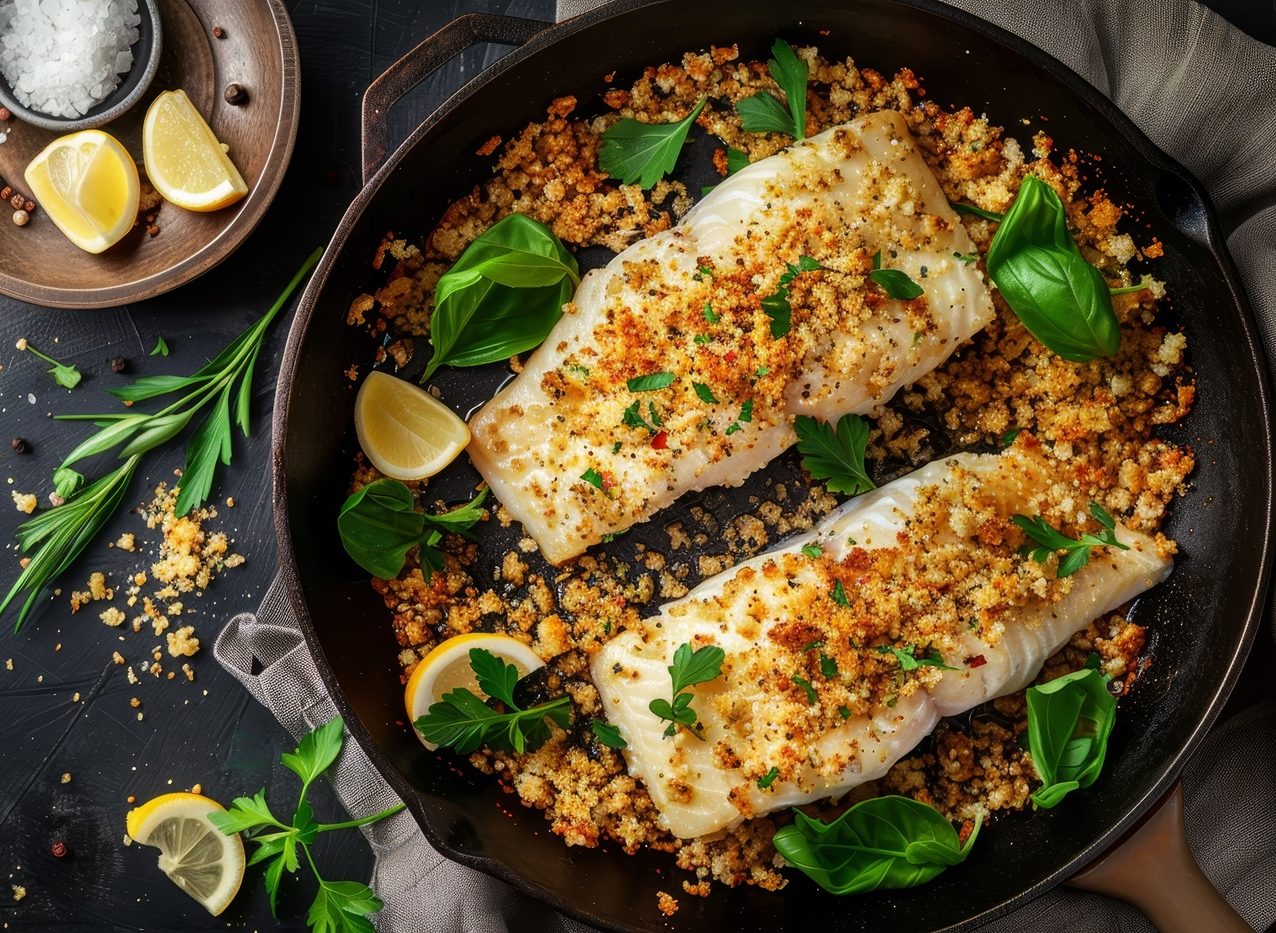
(502, 297)
(464, 723)
(379, 525)
(811, 696)
(704, 393)
(644, 152)
(316, 752)
(1009, 438)
(593, 477)
(710, 315)
(54, 539)
(67, 481)
(812, 550)
(461, 519)
(1050, 540)
(895, 283)
(910, 661)
(974, 211)
(839, 594)
(769, 778)
(835, 456)
(608, 734)
(736, 160)
(68, 377)
(495, 677)
(763, 112)
(650, 382)
(689, 668)
(343, 907)
(245, 813)
(828, 666)
(1038, 267)
(633, 418)
(968, 258)
(776, 306)
(1069, 721)
(161, 348)
(880, 843)
(210, 444)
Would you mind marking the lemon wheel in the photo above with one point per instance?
(404, 431)
(447, 667)
(197, 856)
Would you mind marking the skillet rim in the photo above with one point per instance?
(1211, 236)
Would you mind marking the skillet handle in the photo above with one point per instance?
(1153, 869)
(414, 67)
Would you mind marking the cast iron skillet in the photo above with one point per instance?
(1201, 620)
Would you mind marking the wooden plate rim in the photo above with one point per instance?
(229, 239)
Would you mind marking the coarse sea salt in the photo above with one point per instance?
(64, 57)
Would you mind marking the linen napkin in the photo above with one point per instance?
(1202, 90)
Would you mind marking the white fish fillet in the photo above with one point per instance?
(703, 786)
(840, 197)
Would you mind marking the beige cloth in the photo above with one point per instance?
(1203, 91)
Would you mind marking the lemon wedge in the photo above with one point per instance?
(447, 667)
(88, 186)
(197, 856)
(184, 160)
(405, 431)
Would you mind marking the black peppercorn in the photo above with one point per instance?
(118, 364)
(235, 95)
(19, 445)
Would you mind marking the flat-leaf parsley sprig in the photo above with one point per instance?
(464, 723)
(688, 669)
(644, 152)
(764, 112)
(1050, 540)
(835, 455)
(339, 906)
(52, 541)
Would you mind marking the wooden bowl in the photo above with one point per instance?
(257, 51)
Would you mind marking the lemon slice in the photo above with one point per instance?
(447, 667)
(197, 856)
(405, 431)
(87, 183)
(184, 160)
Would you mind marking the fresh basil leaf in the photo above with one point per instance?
(608, 734)
(502, 297)
(644, 152)
(650, 382)
(835, 456)
(880, 843)
(1038, 267)
(379, 524)
(1069, 722)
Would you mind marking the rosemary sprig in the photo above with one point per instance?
(54, 539)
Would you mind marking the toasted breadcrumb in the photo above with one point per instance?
(25, 501)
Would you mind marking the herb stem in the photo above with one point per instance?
(351, 824)
(962, 208)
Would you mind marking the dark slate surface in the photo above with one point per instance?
(208, 732)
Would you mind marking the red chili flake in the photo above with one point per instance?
(977, 660)
(609, 481)
(729, 356)
(58, 849)
(661, 440)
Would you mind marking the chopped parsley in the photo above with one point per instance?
(894, 282)
(650, 382)
(769, 778)
(776, 305)
(1008, 438)
(909, 660)
(811, 696)
(702, 339)
(688, 669)
(1049, 540)
(839, 594)
(828, 666)
(633, 418)
(745, 416)
(593, 477)
(704, 392)
(812, 551)
(709, 314)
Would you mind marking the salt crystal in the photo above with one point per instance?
(64, 57)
